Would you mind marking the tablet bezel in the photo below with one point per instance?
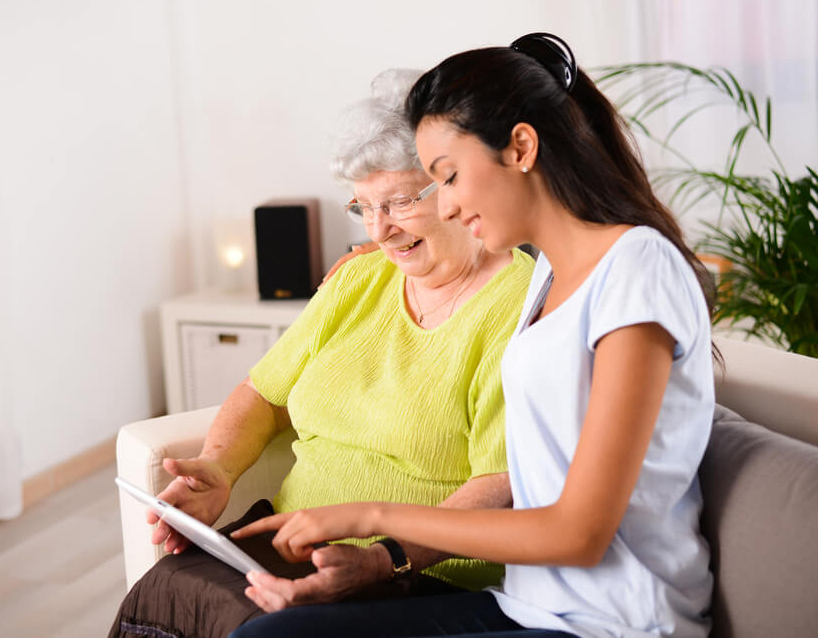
(211, 541)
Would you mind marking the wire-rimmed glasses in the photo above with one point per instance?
(397, 208)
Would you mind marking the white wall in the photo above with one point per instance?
(94, 232)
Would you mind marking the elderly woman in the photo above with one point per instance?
(391, 379)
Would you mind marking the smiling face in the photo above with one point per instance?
(483, 190)
(422, 245)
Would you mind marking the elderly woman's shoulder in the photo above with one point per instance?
(523, 263)
(363, 270)
(516, 277)
(368, 262)
(526, 255)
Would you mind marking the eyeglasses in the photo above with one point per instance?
(399, 208)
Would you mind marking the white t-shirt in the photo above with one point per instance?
(654, 579)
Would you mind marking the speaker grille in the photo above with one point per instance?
(288, 250)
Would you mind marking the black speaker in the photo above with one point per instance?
(288, 249)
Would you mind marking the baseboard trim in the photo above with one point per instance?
(41, 485)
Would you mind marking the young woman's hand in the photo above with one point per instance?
(362, 249)
(300, 531)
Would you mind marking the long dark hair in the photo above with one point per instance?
(587, 155)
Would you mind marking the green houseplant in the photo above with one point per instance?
(767, 227)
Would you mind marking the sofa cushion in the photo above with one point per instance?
(761, 519)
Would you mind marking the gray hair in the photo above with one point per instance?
(373, 134)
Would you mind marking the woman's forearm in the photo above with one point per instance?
(243, 427)
(532, 536)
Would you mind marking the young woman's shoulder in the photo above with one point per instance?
(647, 238)
(640, 251)
(645, 278)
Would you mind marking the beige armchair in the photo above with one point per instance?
(764, 385)
(140, 448)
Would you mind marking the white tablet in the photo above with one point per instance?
(193, 529)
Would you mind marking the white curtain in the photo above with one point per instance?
(11, 492)
(771, 46)
(11, 487)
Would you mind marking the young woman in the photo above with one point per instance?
(608, 378)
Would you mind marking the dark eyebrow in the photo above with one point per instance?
(435, 161)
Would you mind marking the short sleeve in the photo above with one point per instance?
(646, 280)
(277, 372)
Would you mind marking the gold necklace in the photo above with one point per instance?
(453, 298)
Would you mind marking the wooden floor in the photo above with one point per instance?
(62, 573)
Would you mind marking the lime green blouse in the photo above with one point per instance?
(387, 411)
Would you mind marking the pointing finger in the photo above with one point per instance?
(266, 524)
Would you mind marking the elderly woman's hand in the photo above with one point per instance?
(342, 570)
(201, 489)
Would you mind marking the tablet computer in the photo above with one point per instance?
(194, 530)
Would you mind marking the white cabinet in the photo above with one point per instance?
(210, 340)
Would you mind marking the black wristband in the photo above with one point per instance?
(401, 565)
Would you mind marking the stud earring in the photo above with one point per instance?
(524, 169)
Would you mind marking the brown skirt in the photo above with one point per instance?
(194, 595)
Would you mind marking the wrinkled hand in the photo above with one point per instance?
(299, 531)
(342, 570)
(201, 488)
(368, 247)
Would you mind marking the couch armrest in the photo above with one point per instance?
(771, 387)
(140, 448)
